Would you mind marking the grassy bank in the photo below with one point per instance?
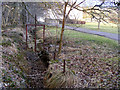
(88, 56)
(108, 27)
(82, 38)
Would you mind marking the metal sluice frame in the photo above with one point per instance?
(35, 34)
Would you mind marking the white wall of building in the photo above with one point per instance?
(75, 14)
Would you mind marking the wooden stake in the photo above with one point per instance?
(64, 66)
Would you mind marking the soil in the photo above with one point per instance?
(36, 73)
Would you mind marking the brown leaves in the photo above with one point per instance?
(94, 67)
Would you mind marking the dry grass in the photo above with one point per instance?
(58, 79)
(40, 34)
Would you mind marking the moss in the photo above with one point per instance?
(54, 61)
(110, 59)
(4, 71)
(7, 79)
(9, 58)
(22, 75)
(6, 43)
(21, 62)
(3, 56)
(12, 84)
(15, 71)
(17, 60)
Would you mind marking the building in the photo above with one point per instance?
(53, 17)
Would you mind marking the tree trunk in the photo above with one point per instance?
(6, 20)
(63, 25)
(98, 24)
(23, 15)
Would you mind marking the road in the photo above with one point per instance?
(112, 36)
(99, 33)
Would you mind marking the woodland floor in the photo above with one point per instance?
(93, 65)
(20, 67)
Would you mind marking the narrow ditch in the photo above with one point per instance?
(38, 62)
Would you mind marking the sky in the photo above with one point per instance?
(93, 2)
(86, 3)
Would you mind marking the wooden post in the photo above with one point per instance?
(64, 66)
(35, 31)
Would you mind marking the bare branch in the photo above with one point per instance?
(70, 9)
(80, 3)
(99, 4)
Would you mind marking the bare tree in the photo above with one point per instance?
(65, 16)
(98, 12)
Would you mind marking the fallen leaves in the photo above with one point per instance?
(95, 66)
